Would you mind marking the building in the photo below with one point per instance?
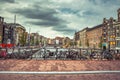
(51, 41)
(7, 33)
(6, 39)
(17, 33)
(1, 28)
(117, 39)
(111, 33)
(76, 40)
(59, 40)
(34, 39)
(83, 38)
(80, 38)
(66, 42)
(118, 31)
(94, 36)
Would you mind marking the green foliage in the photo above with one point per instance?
(71, 43)
(37, 42)
(75, 43)
(32, 40)
(100, 44)
(23, 40)
(80, 43)
(87, 43)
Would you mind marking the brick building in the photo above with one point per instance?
(118, 31)
(1, 28)
(111, 33)
(77, 38)
(80, 38)
(83, 38)
(7, 32)
(94, 36)
(17, 33)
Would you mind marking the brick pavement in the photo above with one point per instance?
(60, 77)
(57, 65)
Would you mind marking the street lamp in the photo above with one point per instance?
(29, 37)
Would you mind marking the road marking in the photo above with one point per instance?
(62, 72)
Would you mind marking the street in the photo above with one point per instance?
(59, 65)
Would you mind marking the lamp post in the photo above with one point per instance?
(29, 37)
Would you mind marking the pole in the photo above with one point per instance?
(14, 19)
(29, 37)
(14, 33)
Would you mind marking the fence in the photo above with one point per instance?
(75, 54)
(60, 53)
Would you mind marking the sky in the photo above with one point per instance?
(63, 18)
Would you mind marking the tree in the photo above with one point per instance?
(80, 43)
(23, 40)
(71, 43)
(37, 42)
(87, 43)
(100, 43)
(32, 40)
(75, 43)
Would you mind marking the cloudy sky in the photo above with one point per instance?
(52, 18)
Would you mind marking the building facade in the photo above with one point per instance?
(118, 31)
(94, 36)
(80, 38)
(117, 26)
(17, 34)
(83, 38)
(111, 33)
(59, 41)
(1, 28)
(66, 42)
(77, 39)
(7, 32)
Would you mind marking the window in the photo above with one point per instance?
(118, 35)
(118, 43)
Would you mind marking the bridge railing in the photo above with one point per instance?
(17, 53)
(60, 53)
(74, 54)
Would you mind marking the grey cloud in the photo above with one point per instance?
(89, 12)
(36, 13)
(45, 23)
(68, 10)
(64, 29)
(105, 2)
(7, 1)
(44, 16)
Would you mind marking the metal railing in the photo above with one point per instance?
(61, 54)
(75, 54)
(17, 53)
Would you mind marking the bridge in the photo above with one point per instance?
(59, 53)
